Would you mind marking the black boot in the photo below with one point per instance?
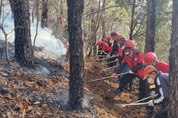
(150, 110)
(126, 88)
(130, 87)
(117, 91)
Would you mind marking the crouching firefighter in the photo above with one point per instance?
(134, 59)
(158, 83)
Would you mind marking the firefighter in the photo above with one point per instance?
(61, 19)
(100, 45)
(114, 50)
(158, 84)
(107, 46)
(134, 59)
(150, 58)
(120, 42)
(114, 37)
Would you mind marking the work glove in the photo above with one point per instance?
(152, 94)
(150, 103)
(101, 53)
(115, 76)
(107, 56)
(117, 60)
(130, 72)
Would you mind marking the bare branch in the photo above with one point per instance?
(90, 13)
(2, 28)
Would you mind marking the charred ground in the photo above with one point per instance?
(43, 92)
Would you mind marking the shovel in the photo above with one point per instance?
(106, 77)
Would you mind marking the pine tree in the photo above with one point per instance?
(75, 10)
(23, 45)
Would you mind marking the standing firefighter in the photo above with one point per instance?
(158, 84)
(134, 59)
(150, 58)
(114, 50)
(120, 42)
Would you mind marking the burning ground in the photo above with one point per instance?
(42, 91)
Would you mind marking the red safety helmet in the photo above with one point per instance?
(129, 44)
(113, 34)
(108, 38)
(149, 57)
(119, 37)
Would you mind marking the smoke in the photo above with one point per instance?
(61, 96)
(86, 101)
(43, 71)
(44, 37)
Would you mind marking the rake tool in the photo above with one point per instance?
(110, 62)
(107, 58)
(136, 102)
(106, 77)
(108, 68)
(101, 55)
(144, 99)
(132, 104)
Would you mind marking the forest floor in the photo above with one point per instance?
(42, 92)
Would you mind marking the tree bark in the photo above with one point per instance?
(44, 18)
(173, 62)
(103, 20)
(0, 8)
(12, 6)
(34, 11)
(6, 44)
(92, 37)
(132, 20)
(95, 23)
(75, 10)
(23, 46)
(61, 6)
(37, 17)
(150, 26)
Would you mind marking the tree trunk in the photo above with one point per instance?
(34, 10)
(94, 47)
(44, 17)
(150, 26)
(37, 16)
(95, 23)
(132, 20)
(12, 6)
(75, 10)
(103, 20)
(6, 49)
(6, 45)
(93, 38)
(103, 27)
(173, 57)
(61, 6)
(23, 46)
(0, 8)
